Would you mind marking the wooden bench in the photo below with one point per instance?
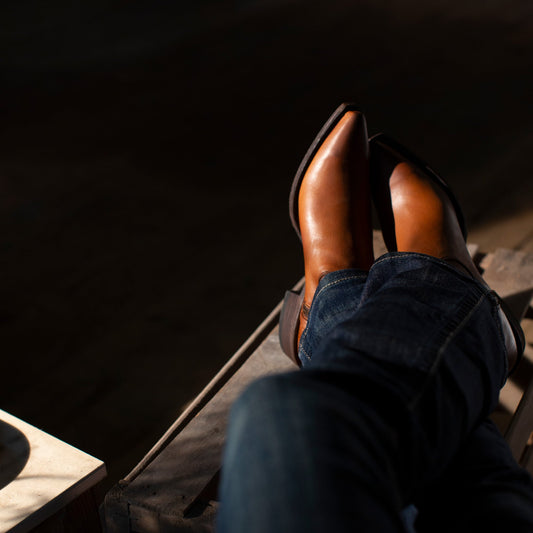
(174, 487)
(45, 484)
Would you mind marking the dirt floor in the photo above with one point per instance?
(145, 160)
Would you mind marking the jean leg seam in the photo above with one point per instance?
(440, 353)
(302, 349)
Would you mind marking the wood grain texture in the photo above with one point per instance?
(53, 476)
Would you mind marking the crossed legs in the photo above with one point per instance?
(402, 363)
(356, 435)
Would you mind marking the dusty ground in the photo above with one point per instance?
(145, 161)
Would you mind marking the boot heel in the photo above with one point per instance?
(518, 332)
(288, 324)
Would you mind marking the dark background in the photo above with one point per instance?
(146, 154)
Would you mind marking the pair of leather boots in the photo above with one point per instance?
(330, 209)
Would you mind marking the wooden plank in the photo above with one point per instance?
(117, 506)
(253, 342)
(159, 495)
(40, 475)
(510, 274)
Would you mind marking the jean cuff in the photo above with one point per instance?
(337, 293)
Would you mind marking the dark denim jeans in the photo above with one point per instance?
(401, 368)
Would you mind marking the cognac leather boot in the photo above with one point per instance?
(330, 208)
(334, 207)
(419, 213)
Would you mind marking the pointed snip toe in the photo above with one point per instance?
(308, 157)
(382, 148)
(331, 164)
(383, 144)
